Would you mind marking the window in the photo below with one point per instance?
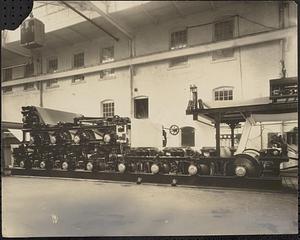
(7, 74)
(223, 94)
(107, 73)
(108, 108)
(292, 137)
(78, 60)
(178, 61)
(188, 137)
(52, 83)
(29, 69)
(29, 86)
(78, 78)
(7, 89)
(141, 107)
(107, 55)
(178, 41)
(223, 31)
(52, 65)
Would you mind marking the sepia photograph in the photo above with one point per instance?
(149, 118)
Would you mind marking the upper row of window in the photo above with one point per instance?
(223, 30)
(107, 55)
(179, 39)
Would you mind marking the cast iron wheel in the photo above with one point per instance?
(244, 166)
(204, 169)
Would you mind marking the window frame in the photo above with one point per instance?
(5, 91)
(217, 93)
(177, 31)
(30, 88)
(29, 69)
(103, 108)
(52, 83)
(48, 61)
(102, 61)
(193, 142)
(107, 74)
(185, 59)
(135, 107)
(225, 57)
(76, 81)
(73, 62)
(5, 74)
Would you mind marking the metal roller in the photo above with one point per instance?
(245, 165)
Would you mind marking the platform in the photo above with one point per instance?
(217, 181)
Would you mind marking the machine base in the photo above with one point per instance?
(273, 183)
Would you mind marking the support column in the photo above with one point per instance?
(232, 127)
(217, 126)
(41, 93)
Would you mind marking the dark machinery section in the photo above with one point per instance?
(103, 145)
(284, 90)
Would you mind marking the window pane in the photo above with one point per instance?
(223, 94)
(107, 55)
(29, 69)
(178, 61)
(7, 74)
(78, 78)
(52, 83)
(141, 108)
(107, 73)
(216, 95)
(52, 65)
(224, 30)
(188, 137)
(108, 109)
(224, 53)
(78, 60)
(178, 39)
(7, 89)
(28, 86)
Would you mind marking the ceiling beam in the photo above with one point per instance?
(90, 20)
(107, 17)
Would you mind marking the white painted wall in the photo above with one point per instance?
(249, 72)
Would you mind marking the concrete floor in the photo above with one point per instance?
(60, 207)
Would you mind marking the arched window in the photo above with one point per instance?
(141, 107)
(107, 108)
(223, 93)
(188, 137)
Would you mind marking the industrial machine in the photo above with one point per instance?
(32, 33)
(65, 144)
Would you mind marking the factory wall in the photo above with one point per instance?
(167, 88)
